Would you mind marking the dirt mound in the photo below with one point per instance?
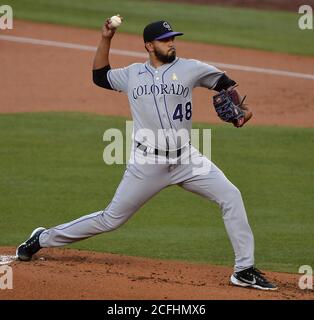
(74, 274)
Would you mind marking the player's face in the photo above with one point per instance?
(165, 50)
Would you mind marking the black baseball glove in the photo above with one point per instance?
(229, 107)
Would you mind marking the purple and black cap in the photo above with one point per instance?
(159, 30)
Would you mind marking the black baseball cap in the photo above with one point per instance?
(159, 30)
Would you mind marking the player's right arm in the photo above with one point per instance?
(101, 64)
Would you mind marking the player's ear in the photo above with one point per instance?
(149, 46)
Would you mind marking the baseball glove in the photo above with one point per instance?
(229, 106)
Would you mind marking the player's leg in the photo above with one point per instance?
(139, 184)
(209, 181)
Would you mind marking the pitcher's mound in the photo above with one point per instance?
(76, 274)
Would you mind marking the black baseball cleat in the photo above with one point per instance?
(253, 278)
(27, 249)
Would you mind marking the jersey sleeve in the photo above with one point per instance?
(119, 78)
(205, 75)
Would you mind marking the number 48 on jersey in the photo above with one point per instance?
(180, 112)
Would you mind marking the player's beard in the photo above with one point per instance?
(166, 58)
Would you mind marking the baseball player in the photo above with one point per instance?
(160, 98)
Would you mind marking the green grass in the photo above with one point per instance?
(51, 171)
(248, 28)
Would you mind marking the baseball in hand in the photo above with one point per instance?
(115, 21)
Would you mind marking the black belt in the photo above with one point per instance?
(169, 154)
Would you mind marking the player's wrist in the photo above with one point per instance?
(106, 38)
(248, 114)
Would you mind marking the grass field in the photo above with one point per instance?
(52, 172)
(259, 29)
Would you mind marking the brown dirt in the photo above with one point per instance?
(73, 274)
(38, 78)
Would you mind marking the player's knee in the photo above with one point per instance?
(234, 193)
(110, 223)
(231, 195)
(112, 219)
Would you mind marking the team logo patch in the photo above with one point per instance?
(167, 26)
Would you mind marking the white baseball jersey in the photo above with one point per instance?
(161, 98)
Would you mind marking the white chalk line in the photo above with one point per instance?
(144, 55)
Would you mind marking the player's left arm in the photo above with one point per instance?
(225, 83)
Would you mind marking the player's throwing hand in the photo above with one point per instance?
(108, 30)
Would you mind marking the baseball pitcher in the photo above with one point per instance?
(160, 98)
